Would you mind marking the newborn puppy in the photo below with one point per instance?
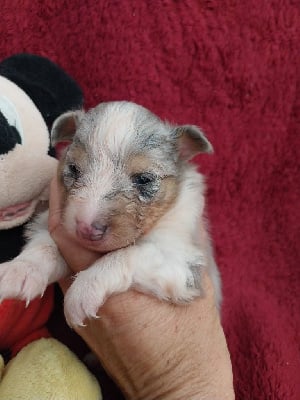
(129, 192)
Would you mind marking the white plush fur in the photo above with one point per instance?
(166, 259)
(20, 191)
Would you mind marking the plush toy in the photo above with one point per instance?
(47, 369)
(33, 92)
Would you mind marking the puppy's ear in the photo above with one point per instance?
(63, 131)
(191, 141)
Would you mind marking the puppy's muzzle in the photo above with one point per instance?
(94, 231)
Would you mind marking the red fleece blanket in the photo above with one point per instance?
(231, 67)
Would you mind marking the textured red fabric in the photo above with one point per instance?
(231, 67)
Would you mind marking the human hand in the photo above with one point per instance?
(152, 349)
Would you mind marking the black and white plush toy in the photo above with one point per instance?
(33, 93)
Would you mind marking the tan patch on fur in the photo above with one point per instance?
(138, 163)
(150, 212)
(163, 201)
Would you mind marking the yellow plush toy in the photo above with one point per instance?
(47, 370)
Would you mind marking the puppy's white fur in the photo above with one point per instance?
(155, 232)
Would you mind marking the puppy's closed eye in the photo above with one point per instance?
(74, 171)
(147, 184)
(143, 178)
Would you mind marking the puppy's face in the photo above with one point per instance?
(120, 172)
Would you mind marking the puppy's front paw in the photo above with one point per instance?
(181, 291)
(83, 299)
(22, 280)
(177, 281)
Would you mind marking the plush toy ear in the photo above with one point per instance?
(191, 141)
(63, 131)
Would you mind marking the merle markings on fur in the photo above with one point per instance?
(130, 192)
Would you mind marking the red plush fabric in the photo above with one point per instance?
(18, 328)
(231, 67)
